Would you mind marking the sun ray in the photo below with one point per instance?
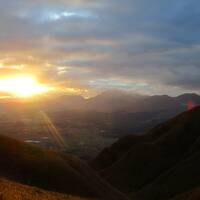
(53, 130)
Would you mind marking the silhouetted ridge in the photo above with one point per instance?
(50, 170)
(109, 101)
(168, 156)
(113, 153)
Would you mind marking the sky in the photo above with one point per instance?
(86, 46)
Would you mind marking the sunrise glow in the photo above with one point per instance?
(22, 86)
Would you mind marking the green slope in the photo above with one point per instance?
(162, 166)
(145, 161)
(52, 171)
(182, 177)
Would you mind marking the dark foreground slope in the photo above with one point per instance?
(193, 194)
(160, 165)
(113, 153)
(52, 171)
(14, 191)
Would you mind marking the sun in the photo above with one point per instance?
(22, 86)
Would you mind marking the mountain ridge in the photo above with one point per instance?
(51, 171)
(111, 101)
(145, 169)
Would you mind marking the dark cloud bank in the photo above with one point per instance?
(150, 46)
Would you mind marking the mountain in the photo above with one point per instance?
(166, 103)
(113, 101)
(15, 191)
(117, 101)
(51, 171)
(159, 165)
(108, 101)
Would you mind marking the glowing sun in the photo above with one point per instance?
(22, 86)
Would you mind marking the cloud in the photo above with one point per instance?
(115, 43)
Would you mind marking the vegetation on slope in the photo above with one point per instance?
(182, 177)
(52, 171)
(113, 153)
(189, 195)
(15, 191)
(165, 165)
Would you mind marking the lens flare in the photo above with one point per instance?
(190, 105)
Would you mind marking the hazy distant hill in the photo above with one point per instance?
(109, 101)
(113, 101)
(159, 165)
(52, 171)
(116, 101)
(106, 102)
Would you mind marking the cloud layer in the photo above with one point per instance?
(150, 46)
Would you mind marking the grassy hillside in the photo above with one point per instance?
(189, 195)
(182, 177)
(113, 153)
(160, 167)
(52, 171)
(15, 191)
